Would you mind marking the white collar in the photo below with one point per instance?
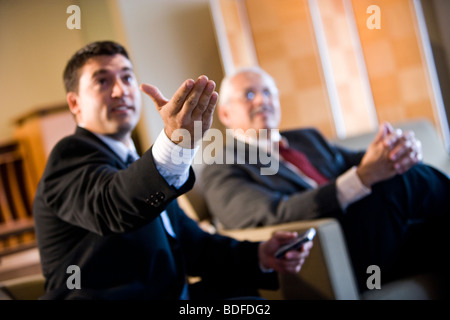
(119, 147)
(261, 142)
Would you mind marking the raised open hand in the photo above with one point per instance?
(192, 105)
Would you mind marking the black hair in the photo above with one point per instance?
(71, 72)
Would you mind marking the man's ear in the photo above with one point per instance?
(72, 101)
(223, 114)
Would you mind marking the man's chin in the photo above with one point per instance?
(266, 126)
(126, 128)
(121, 129)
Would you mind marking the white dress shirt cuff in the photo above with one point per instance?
(350, 188)
(171, 160)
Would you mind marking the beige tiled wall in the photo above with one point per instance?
(395, 64)
(354, 104)
(393, 86)
(286, 47)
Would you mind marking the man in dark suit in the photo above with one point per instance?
(112, 218)
(389, 204)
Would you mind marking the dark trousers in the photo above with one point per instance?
(402, 227)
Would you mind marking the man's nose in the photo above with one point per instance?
(119, 89)
(261, 98)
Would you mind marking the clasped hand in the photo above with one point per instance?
(193, 102)
(391, 152)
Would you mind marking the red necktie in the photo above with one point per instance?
(299, 160)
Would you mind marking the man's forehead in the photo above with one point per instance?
(249, 80)
(105, 63)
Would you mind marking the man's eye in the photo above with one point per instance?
(249, 95)
(102, 81)
(128, 79)
(267, 93)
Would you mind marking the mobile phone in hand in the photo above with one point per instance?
(296, 243)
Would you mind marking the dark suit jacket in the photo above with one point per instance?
(239, 196)
(92, 212)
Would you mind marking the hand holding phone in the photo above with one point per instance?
(296, 243)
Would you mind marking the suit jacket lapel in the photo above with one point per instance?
(244, 153)
(292, 176)
(316, 150)
(89, 135)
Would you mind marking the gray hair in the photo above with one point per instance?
(226, 87)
